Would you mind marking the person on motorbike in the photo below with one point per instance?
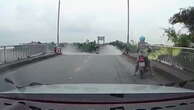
(143, 50)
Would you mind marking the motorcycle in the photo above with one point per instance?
(142, 66)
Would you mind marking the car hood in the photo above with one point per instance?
(98, 89)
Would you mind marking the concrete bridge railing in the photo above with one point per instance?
(19, 52)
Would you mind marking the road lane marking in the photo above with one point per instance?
(81, 66)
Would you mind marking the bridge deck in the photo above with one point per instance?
(106, 67)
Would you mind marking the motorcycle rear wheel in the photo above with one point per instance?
(141, 74)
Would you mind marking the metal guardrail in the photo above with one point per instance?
(18, 52)
(182, 58)
(178, 57)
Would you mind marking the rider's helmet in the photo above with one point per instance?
(142, 38)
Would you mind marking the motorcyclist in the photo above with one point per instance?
(143, 49)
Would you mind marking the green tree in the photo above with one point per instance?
(172, 35)
(87, 47)
(123, 46)
(180, 40)
(186, 17)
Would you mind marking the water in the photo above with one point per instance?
(72, 50)
(110, 50)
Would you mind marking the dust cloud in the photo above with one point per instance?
(110, 50)
(105, 50)
(72, 50)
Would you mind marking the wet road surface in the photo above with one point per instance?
(109, 66)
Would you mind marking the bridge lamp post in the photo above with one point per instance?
(58, 22)
(128, 22)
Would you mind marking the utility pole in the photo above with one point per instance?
(128, 22)
(58, 27)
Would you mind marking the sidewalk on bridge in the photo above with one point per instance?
(167, 69)
(18, 63)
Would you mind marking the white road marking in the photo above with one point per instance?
(81, 66)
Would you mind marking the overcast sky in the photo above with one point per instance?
(35, 20)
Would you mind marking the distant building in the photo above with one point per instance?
(101, 38)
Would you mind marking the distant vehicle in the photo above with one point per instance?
(58, 50)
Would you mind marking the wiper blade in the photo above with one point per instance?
(35, 84)
(117, 95)
(178, 84)
(7, 80)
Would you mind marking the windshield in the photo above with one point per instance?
(47, 45)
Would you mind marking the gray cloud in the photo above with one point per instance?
(27, 20)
